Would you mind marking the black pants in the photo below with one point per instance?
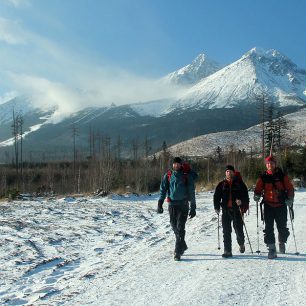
(178, 217)
(279, 215)
(229, 215)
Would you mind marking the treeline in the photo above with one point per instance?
(143, 175)
(103, 166)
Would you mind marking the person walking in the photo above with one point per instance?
(231, 194)
(178, 187)
(277, 191)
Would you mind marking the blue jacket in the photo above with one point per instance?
(180, 189)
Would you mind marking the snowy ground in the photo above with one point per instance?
(118, 251)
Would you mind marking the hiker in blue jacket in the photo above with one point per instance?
(178, 187)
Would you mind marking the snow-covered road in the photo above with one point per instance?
(119, 251)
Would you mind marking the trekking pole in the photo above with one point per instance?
(258, 251)
(246, 230)
(290, 214)
(219, 233)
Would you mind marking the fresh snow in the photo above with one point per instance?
(153, 108)
(119, 251)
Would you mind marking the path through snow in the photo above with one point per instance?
(93, 251)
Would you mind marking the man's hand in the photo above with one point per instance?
(257, 197)
(289, 202)
(192, 212)
(160, 209)
(238, 202)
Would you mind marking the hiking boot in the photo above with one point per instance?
(227, 254)
(282, 248)
(272, 251)
(177, 256)
(242, 248)
(184, 247)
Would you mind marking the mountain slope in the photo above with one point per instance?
(33, 117)
(248, 139)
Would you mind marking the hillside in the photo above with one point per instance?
(248, 139)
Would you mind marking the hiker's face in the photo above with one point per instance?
(176, 166)
(229, 174)
(270, 166)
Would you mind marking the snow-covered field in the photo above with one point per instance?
(119, 251)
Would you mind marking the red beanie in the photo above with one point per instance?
(270, 159)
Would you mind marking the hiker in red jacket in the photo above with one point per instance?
(277, 191)
(232, 195)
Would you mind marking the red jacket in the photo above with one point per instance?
(275, 188)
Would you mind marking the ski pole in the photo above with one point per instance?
(219, 232)
(245, 230)
(290, 214)
(258, 251)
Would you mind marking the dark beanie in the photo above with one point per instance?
(177, 160)
(230, 167)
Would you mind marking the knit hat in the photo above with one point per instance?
(229, 167)
(177, 160)
(270, 159)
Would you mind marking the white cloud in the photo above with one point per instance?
(95, 91)
(10, 32)
(53, 75)
(17, 3)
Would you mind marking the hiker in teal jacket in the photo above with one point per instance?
(179, 189)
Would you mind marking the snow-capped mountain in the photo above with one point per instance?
(213, 104)
(200, 68)
(235, 85)
(239, 83)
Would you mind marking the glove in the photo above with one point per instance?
(289, 202)
(256, 197)
(238, 202)
(160, 209)
(217, 211)
(192, 212)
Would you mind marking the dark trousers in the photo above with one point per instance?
(279, 215)
(178, 217)
(229, 215)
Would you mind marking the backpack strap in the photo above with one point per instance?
(169, 173)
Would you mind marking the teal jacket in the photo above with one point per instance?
(181, 188)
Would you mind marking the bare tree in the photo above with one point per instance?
(20, 132)
(135, 148)
(15, 135)
(74, 135)
(263, 100)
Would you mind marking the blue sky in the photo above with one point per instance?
(71, 46)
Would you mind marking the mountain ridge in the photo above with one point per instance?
(224, 100)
